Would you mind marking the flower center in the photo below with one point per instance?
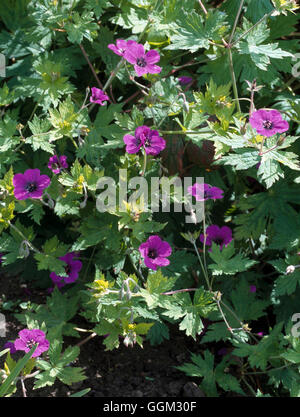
(152, 254)
(30, 343)
(30, 187)
(147, 141)
(68, 269)
(267, 124)
(141, 62)
(219, 241)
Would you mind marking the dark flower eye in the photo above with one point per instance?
(31, 187)
(141, 62)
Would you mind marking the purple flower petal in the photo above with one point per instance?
(203, 192)
(146, 138)
(152, 57)
(72, 268)
(221, 236)
(185, 80)
(11, 347)
(57, 164)
(98, 96)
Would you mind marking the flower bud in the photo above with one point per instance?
(290, 269)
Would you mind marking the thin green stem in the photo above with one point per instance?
(261, 146)
(91, 66)
(202, 7)
(249, 386)
(236, 317)
(184, 132)
(89, 262)
(252, 27)
(24, 237)
(145, 163)
(23, 387)
(113, 74)
(236, 21)
(271, 370)
(91, 336)
(235, 91)
(202, 266)
(138, 273)
(179, 291)
(224, 318)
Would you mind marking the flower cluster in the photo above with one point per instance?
(134, 53)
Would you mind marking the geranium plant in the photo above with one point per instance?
(149, 173)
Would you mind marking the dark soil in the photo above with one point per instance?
(124, 372)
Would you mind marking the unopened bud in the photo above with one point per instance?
(24, 250)
(246, 327)
(290, 269)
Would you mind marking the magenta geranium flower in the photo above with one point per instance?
(144, 62)
(98, 96)
(72, 268)
(155, 252)
(221, 236)
(252, 288)
(203, 192)
(29, 338)
(184, 80)
(268, 122)
(57, 164)
(120, 47)
(134, 143)
(11, 347)
(30, 184)
(146, 138)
